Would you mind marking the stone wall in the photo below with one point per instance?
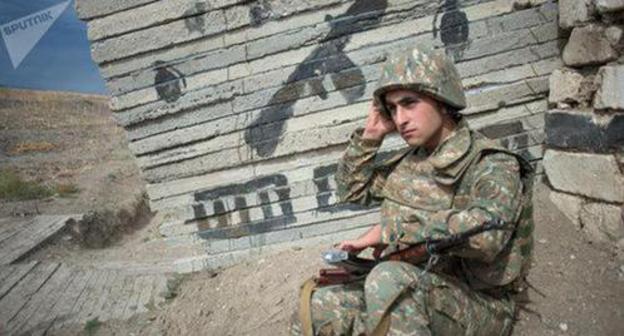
(584, 158)
(238, 110)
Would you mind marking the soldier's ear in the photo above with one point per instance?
(443, 109)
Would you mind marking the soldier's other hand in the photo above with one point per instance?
(351, 246)
(377, 126)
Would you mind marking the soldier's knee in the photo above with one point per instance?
(386, 267)
(393, 273)
(396, 274)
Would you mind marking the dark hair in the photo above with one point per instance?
(453, 113)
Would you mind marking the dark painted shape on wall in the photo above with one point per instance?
(193, 22)
(247, 227)
(327, 59)
(578, 131)
(260, 12)
(169, 82)
(454, 29)
(322, 175)
(502, 130)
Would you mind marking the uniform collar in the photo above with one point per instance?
(455, 147)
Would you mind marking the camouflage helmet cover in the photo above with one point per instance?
(423, 70)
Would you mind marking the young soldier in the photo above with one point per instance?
(449, 180)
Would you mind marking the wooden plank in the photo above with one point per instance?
(44, 317)
(145, 297)
(101, 302)
(64, 305)
(89, 289)
(10, 226)
(140, 283)
(124, 298)
(19, 243)
(14, 275)
(89, 303)
(5, 272)
(159, 290)
(37, 231)
(33, 312)
(19, 296)
(11, 237)
(6, 221)
(49, 226)
(113, 297)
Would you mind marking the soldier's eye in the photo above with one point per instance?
(412, 102)
(392, 110)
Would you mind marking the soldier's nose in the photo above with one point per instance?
(400, 117)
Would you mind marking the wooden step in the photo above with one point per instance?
(20, 235)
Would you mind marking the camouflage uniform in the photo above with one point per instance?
(467, 180)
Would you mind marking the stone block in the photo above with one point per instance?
(145, 75)
(570, 87)
(508, 59)
(88, 9)
(584, 131)
(615, 35)
(602, 222)
(610, 94)
(592, 175)
(152, 14)
(156, 37)
(574, 13)
(128, 66)
(588, 45)
(569, 205)
(521, 4)
(608, 6)
(506, 94)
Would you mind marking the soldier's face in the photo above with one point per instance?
(417, 117)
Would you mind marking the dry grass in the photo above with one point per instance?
(13, 188)
(31, 147)
(66, 189)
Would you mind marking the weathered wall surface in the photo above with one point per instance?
(238, 110)
(584, 159)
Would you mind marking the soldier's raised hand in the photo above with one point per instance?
(377, 126)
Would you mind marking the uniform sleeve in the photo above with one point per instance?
(357, 178)
(495, 193)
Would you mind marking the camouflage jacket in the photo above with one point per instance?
(466, 181)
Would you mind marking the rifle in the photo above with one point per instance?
(348, 267)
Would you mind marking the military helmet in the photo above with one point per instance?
(423, 70)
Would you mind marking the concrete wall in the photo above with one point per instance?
(238, 110)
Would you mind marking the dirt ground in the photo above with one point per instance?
(581, 285)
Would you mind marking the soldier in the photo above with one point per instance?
(448, 180)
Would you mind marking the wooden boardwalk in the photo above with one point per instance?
(19, 236)
(35, 296)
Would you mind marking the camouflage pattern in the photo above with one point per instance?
(467, 180)
(424, 70)
(437, 305)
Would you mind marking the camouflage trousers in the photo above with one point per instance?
(436, 305)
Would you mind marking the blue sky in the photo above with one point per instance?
(60, 61)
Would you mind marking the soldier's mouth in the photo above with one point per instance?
(408, 133)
